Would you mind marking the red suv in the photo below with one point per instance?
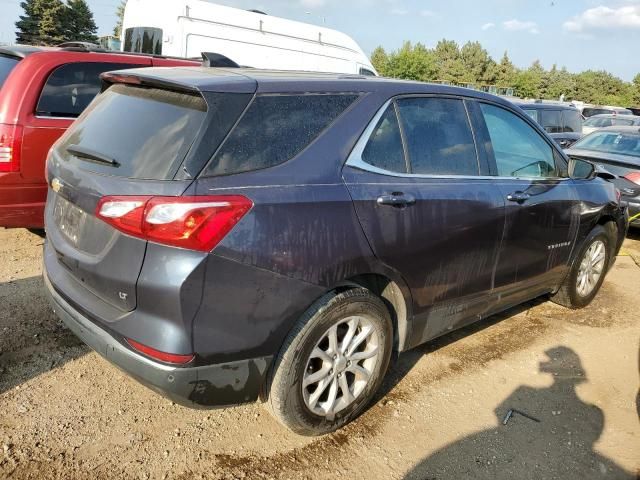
(42, 91)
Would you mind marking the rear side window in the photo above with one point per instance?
(274, 129)
(438, 136)
(518, 149)
(6, 65)
(384, 148)
(551, 120)
(71, 87)
(147, 131)
(572, 121)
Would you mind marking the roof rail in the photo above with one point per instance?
(212, 59)
(81, 46)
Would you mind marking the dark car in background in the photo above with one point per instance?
(42, 91)
(229, 235)
(617, 150)
(562, 122)
(590, 111)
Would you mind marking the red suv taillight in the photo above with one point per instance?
(10, 147)
(195, 223)
(633, 177)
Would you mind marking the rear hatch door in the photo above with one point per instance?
(132, 140)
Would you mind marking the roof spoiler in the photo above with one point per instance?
(212, 59)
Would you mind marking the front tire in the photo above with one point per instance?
(332, 363)
(589, 269)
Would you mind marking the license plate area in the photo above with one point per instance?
(70, 219)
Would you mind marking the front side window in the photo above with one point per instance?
(70, 88)
(143, 40)
(384, 149)
(518, 149)
(550, 121)
(276, 128)
(438, 136)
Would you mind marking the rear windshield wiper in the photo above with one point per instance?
(92, 155)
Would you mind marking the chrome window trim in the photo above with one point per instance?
(355, 157)
(46, 117)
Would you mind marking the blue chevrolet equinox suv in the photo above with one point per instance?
(234, 235)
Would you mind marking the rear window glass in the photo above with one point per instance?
(71, 87)
(274, 129)
(147, 131)
(6, 65)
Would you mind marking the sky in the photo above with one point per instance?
(578, 34)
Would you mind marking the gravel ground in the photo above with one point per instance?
(66, 413)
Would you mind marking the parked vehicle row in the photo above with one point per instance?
(617, 150)
(230, 235)
(562, 121)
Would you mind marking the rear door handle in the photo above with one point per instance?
(396, 199)
(519, 197)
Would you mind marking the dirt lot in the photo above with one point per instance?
(66, 413)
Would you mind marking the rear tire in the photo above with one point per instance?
(588, 270)
(323, 376)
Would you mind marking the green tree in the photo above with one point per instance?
(380, 61)
(52, 21)
(635, 90)
(28, 27)
(476, 61)
(505, 72)
(529, 82)
(411, 63)
(79, 22)
(449, 62)
(117, 30)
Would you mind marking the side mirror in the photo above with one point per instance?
(581, 169)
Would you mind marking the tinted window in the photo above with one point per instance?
(571, 121)
(438, 135)
(147, 131)
(6, 65)
(519, 150)
(623, 121)
(590, 112)
(71, 87)
(611, 142)
(532, 113)
(384, 149)
(274, 129)
(143, 40)
(551, 120)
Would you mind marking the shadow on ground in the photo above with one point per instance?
(549, 434)
(32, 339)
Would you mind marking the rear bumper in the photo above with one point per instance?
(204, 386)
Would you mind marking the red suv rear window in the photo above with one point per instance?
(6, 65)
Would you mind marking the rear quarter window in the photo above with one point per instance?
(6, 66)
(70, 88)
(276, 128)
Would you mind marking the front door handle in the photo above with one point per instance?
(519, 197)
(396, 199)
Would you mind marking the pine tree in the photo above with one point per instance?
(79, 23)
(117, 30)
(28, 27)
(52, 23)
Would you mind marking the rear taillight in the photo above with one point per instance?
(633, 177)
(10, 147)
(195, 223)
(162, 356)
